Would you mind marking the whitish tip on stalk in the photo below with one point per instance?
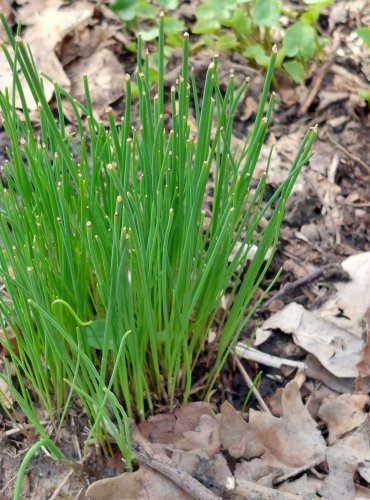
(128, 77)
(119, 199)
(88, 224)
(29, 269)
(273, 93)
(161, 14)
(110, 167)
(108, 110)
(23, 141)
(186, 34)
(274, 49)
(171, 210)
(129, 139)
(265, 119)
(18, 39)
(141, 76)
(173, 88)
(211, 65)
(314, 129)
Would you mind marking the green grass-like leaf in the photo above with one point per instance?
(113, 262)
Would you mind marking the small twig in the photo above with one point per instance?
(247, 489)
(252, 386)
(61, 485)
(315, 87)
(295, 472)
(353, 157)
(312, 276)
(143, 452)
(227, 388)
(246, 352)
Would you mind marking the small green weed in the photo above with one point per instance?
(364, 33)
(113, 264)
(243, 25)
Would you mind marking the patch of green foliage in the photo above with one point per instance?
(243, 25)
(364, 33)
(112, 261)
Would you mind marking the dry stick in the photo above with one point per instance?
(247, 489)
(295, 472)
(61, 485)
(357, 159)
(320, 75)
(143, 452)
(251, 385)
(312, 276)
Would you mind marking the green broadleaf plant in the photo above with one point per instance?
(114, 264)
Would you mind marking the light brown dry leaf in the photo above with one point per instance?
(363, 367)
(144, 484)
(291, 441)
(342, 414)
(159, 428)
(256, 470)
(234, 431)
(302, 486)
(6, 9)
(205, 437)
(6, 396)
(287, 443)
(47, 24)
(188, 415)
(348, 307)
(337, 349)
(166, 429)
(334, 334)
(344, 458)
(106, 78)
(197, 463)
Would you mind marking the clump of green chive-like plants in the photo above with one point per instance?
(113, 265)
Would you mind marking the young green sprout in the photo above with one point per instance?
(113, 262)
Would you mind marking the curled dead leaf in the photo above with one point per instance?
(143, 484)
(343, 414)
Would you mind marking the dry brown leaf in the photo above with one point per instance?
(256, 470)
(47, 24)
(334, 334)
(159, 428)
(302, 486)
(234, 431)
(188, 415)
(197, 463)
(343, 414)
(348, 306)
(344, 458)
(106, 78)
(166, 429)
(6, 9)
(337, 349)
(291, 441)
(205, 437)
(6, 396)
(287, 443)
(363, 367)
(144, 484)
